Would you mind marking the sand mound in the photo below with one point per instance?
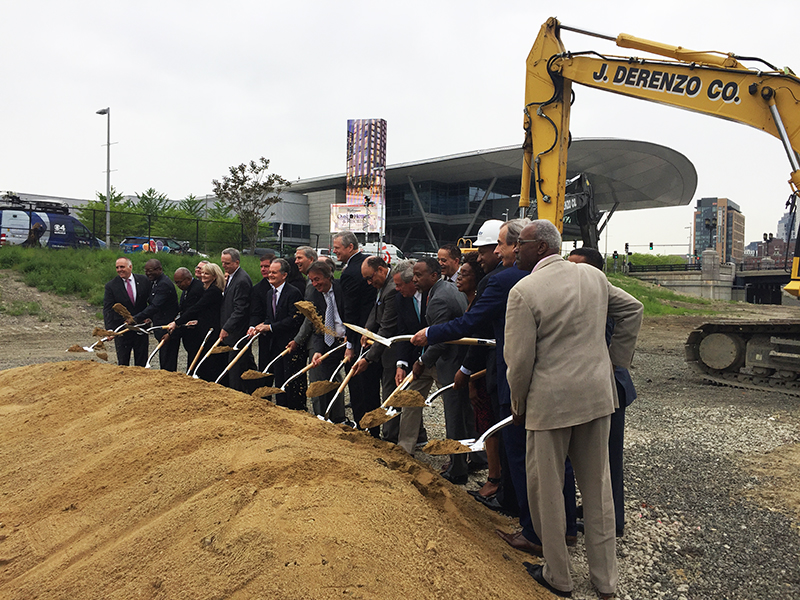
(121, 482)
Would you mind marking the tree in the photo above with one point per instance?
(151, 202)
(249, 191)
(193, 206)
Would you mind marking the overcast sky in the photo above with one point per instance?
(195, 87)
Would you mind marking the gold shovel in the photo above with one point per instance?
(439, 447)
(306, 369)
(199, 352)
(386, 412)
(442, 390)
(236, 358)
(405, 338)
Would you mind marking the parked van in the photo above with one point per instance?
(388, 252)
(42, 223)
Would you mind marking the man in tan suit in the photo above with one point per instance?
(562, 388)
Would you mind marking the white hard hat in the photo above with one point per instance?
(488, 233)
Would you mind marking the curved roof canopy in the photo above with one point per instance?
(634, 174)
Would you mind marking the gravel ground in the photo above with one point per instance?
(709, 515)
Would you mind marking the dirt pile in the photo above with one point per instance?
(120, 482)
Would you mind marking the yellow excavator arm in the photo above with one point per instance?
(714, 84)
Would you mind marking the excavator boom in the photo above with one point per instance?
(760, 355)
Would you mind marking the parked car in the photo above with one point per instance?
(42, 223)
(156, 244)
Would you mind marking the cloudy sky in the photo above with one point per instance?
(195, 87)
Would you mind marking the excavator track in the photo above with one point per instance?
(748, 354)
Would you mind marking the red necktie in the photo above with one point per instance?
(130, 290)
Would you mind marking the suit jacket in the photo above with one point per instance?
(383, 320)
(304, 335)
(235, 312)
(445, 303)
(407, 323)
(206, 311)
(317, 339)
(115, 293)
(162, 305)
(285, 322)
(560, 370)
(621, 374)
(191, 296)
(359, 296)
(490, 307)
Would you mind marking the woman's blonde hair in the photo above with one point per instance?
(215, 271)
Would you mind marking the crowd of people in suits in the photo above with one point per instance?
(562, 334)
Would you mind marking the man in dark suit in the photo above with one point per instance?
(329, 303)
(235, 315)
(359, 296)
(382, 320)
(132, 292)
(275, 317)
(162, 306)
(439, 363)
(626, 394)
(191, 291)
(410, 308)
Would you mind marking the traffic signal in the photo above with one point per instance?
(626, 248)
(651, 245)
(615, 255)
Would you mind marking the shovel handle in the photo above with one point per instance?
(153, 353)
(283, 352)
(472, 342)
(236, 358)
(199, 352)
(403, 385)
(210, 350)
(310, 366)
(347, 379)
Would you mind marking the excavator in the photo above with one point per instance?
(759, 355)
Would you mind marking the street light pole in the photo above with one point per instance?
(107, 112)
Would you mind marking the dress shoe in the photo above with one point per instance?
(535, 571)
(571, 539)
(456, 479)
(520, 542)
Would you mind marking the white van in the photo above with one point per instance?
(388, 252)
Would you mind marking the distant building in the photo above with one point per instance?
(784, 223)
(719, 224)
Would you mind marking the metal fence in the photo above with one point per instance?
(662, 268)
(205, 235)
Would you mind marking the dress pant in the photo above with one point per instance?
(365, 394)
(587, 447)
(168, 353)
(456, 402)
(322, 373)
(616, 439)
(132, 342)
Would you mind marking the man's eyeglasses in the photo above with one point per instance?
(520, 242)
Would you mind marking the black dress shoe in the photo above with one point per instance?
(456, 479)
(535, 571)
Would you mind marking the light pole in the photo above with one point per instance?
(107, 111)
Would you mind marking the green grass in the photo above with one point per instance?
(659, 300)
(84, 273)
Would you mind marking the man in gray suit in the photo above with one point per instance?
(439, 363)
(561, 376)
(383, 321)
